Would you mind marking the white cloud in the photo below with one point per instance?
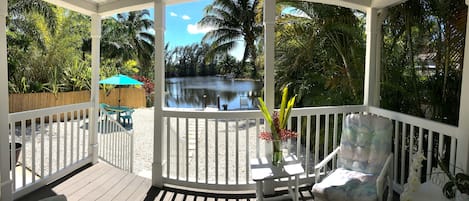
(238, 50)
(173, 14)
(186, 17)
(197, 29)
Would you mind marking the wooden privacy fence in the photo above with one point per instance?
(131, 97)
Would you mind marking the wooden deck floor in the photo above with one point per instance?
(104, 182)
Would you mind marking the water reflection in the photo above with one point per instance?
(188, 92)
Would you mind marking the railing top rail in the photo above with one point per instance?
(18, 116)
(246, 114)
(241, 114)
(416, 121)
(327, 110)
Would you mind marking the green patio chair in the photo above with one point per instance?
(126, 118)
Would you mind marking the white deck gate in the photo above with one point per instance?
(116, 143)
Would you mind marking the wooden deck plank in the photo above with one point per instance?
(142, 190)
(100, 190)
(129, 190)
(88, 174)
(82, 181)
(117, 188)
(90, 187)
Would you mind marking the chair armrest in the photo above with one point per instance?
(323, 163)
(380, 180)
(327, 159)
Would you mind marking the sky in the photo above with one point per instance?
(182, 28)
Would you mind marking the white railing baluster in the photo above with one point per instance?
(237, 152)
(72, 129)
(216, 151)
(298, 139)
(206, 150)
(226, 151)
(13, 153)
(334, 142)
(78, 135)
(187, 149)
(42, 145)
(316, 141)
(51, 120)
(420, 139)
(59, 122)
(429, 154)
(177, 149)
(33, 150)
(440, 145)
(132, 151)
(403, 154)
(247, 150)
(65, 137)
(196, 150)
(308, 144)
(83, 133)
(452, 156)
(411, 145)
(326, 136)
(257, 139)
(168, 146)
(23, 142)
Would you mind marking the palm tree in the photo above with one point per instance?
(127, 37)
(234, 21)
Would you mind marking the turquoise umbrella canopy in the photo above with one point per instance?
(120, 80)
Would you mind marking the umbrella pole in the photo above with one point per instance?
(119, 100)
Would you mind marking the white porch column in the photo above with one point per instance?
(5, 182)
(269, 69)
(95, 63)
(159, 20)
(372, 61)
(462, 159)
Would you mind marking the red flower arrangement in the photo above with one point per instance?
(283, 133)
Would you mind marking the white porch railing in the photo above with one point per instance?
(54, 142)
(211, 150)
(116, 143)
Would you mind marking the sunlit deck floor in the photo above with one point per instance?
(104, 182)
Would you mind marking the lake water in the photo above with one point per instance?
(188, 92)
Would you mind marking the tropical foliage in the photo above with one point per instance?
(320, 50)
(423, 48)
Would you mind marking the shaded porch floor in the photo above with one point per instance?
(104, 182)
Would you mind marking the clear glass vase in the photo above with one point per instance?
(277, 153)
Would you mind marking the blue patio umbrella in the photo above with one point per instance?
(120, 80)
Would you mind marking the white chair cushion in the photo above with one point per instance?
(343, 184)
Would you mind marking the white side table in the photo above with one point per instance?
(262, 170)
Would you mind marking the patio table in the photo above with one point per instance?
(118, 110)
(262, 170)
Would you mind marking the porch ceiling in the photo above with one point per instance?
(110, 7)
